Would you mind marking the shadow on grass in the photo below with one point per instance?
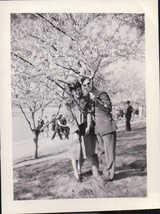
(87, 173)
(31, 158)
(136, 168)
(132, 133)
(134, 150)
(128, 174)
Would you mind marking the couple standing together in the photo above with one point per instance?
(92, 129)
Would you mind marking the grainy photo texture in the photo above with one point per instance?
(78, 105)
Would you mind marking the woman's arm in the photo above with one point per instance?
(89, 123)
(70, 119)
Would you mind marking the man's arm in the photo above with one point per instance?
(103, 101)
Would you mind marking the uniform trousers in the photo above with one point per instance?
(128, 125)
(107, 143)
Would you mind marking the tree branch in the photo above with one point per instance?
(36, 37)
(48, 103)
(70, 95)
(71, 17)
(25, 116)
(57, 28)
(90, 21)
(22, 59)
(96, 69)
(33, 118)
(70, 69)
(54, 47)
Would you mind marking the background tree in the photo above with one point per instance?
(31, 96)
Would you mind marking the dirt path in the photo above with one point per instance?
(51, 176)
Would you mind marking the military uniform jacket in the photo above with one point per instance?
(104, 123)
(128, 113)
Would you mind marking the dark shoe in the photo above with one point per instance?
(78, 180)
(81, 177)
(108, 179)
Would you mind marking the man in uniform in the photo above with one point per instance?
(128, 115)
(105, 129)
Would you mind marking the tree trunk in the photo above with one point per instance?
(35, 140)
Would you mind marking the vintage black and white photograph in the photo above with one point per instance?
(78, 105)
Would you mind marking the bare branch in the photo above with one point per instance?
(32, 114)
(36, 37)
(54, 47)
(73, 20)
(21, 108)
(63, 82)
(57, 28)
(65, 92)
(91, 21)
(96, 69)
(54, 18)
(23, 59)
(48, 103)
(70, 69)
(19, 87)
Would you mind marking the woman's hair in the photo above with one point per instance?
(74, 85)
(84, 78)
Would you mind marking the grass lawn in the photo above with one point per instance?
(51, 176)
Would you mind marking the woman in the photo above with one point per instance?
(57, 128)
(105, 128)
(82, 144)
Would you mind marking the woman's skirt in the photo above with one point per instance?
(83, 148)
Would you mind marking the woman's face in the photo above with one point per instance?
(77, 93)
(87, 85)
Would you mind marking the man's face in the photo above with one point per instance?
(127, 105)
(86, 85)
(77, 93)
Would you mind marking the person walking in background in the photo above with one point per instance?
(121, 113)
(105, 129)
(63, 127)
(57, 128)
(128, 115)
(53, 122)
(40, 124)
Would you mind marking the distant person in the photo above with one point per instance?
(128, 115)
(53, 122)
(121, 113)
(136, 112)
(57, 128)
(40, 124)
(64, 128)
(117, 113)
